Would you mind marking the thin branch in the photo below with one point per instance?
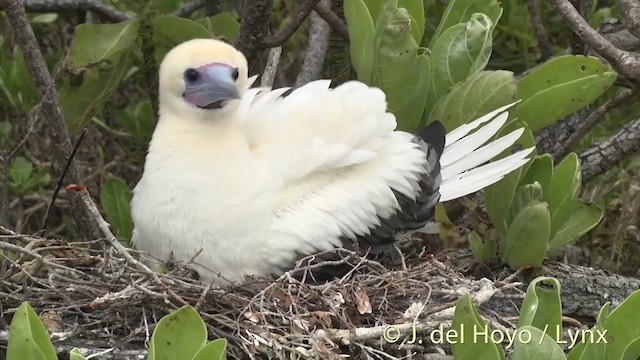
(587, 124)
(189, 8)
(60, 139)
(324, 11)
(624, 62)
(283, 35)
(271, 68)
(630, 10)
(539, 30)
(601, 157)
(95, 6)
(254, 25)
(578, 47)
(317, 50)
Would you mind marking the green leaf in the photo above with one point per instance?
(481, 93)
(409, 115)
(361, 34)
(540, 170)
(467, 324)
(5, 131)
(139, 120)
(561, 86)
(179, 335)
(525, 195)
(482, 250)
(20, 171)
(525, 242)
(44, 18)
(375, 8)
(115, 199)
(565, 188)
(169, 31)
(498, 198)
(542, 307)
(224, 24)
(461, 51)
(215, 350)
(592, 348)
(623, 329)
(28, 338)
(532, 344)
(95, 43)
(460, 11)
(75, 354)
(582, 219)
(416, 11)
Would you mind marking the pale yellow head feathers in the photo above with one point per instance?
(202, 77)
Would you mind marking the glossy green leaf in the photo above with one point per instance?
(179, 335)
(466, 324)
(623, 329)
(169, 31)
(561, 86)
(542, 307)
(532, 344)
(482, 250)
(215, 350)
(540, 170)
(583, 218)
(498, 198)
(416, 11)
(75, 354)
(361, 35)
(460, 11)
(95, 43)
(479, 94)
(116, 199)
(525, 242)
(223, 24)
(524, 195)
(463, 50)
(28, 338)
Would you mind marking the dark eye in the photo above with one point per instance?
(235, 74)
(191, 75)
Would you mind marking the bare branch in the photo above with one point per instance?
(189, 8)
(291, 27)
(324, 11)
(601, 157)
(254, 25)
(587, 124)
(271, 68)
(317, 50)
(539, 30)
(95, 6)
(630, 10)
(625, 63)
(61, 143)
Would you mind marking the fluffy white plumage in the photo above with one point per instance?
(245, 186)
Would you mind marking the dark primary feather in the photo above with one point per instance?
(413, 214)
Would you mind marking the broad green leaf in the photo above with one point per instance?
(561, 86)
(582, 219)
(525, 195)
(479, 94)
(37, 180)
(215, 350)
(82, 100)
(542, 307)
(498, 199)
(361, 35)
(20, 171)
(75, 354)
(224, 24)
(28, 339)
(532, 344)
(467, 324)
(463, 50)
(178, 335)
(591, 348)
(139, 120)
(169, 31)
(623, 329)
(482, 250)
(409, 115)
(460, 11)
(565, 188)
(374, 7)
(540, 170)
(527, 237)
(115, 199)
(416, 11)
(95, 43)
(44, 18)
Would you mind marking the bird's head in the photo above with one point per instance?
(203, 77)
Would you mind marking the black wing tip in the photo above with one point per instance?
(434, 135)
